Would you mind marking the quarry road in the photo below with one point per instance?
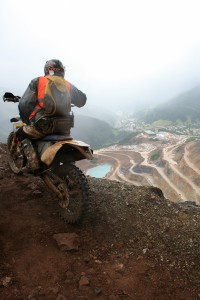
(122, 158)
(168, 156)
(188, 162)
(148, 178)
(163, 175)
(115, 174)
(125, 162)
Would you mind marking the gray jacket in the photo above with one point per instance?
(29, 100)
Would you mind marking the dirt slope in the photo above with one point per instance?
(133, 245)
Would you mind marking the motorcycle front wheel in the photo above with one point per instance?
(15, 155)
(78, 191)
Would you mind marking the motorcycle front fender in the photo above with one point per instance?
(49, 154)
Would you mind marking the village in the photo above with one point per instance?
(127, 122)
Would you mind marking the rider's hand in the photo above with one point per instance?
(14, 120)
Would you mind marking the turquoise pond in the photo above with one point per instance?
(99, 171)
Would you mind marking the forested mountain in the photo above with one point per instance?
(184, 107)
(95, 132)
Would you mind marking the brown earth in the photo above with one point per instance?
(133, 244)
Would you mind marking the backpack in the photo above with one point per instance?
(54, 96)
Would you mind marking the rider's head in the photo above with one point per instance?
(54, 67)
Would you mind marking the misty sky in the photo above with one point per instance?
(119, 52)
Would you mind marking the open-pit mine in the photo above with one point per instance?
(170, 162)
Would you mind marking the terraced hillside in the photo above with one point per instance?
(172, 164)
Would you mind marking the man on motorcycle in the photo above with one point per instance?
(45, 107)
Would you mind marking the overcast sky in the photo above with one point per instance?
(116, 51)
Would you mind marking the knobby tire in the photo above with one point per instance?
(78, 189)
(15, 157)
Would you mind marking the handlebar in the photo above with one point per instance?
(9, 97)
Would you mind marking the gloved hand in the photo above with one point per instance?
(14, 120)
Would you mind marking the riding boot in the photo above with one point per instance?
(31, 156)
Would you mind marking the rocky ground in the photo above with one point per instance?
(133, 244)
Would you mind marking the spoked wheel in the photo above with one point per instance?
(78, 191)
(15, 155)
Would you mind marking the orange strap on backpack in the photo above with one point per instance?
(42, 82)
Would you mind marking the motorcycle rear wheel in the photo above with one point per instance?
(78, 190)
(15, 155)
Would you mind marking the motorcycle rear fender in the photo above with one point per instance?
(49, 154)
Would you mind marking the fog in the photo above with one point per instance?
(125, 55)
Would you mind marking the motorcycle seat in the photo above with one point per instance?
(56, 137)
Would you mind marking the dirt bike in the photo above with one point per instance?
(57, 155)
